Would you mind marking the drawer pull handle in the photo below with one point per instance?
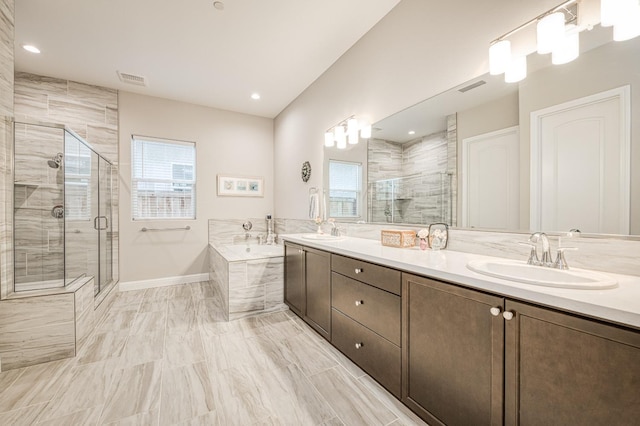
(359, 270)
(359, 302)
(508, 315)
(495, 311)
(359, 345)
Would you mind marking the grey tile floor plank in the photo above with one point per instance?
(165, 356)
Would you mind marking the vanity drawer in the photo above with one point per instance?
(375, 355)
(376, 309)
(378, 276)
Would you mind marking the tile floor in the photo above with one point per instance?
(165, 356)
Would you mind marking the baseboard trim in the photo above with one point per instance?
(163, 282)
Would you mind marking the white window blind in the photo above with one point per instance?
(345, 186)
(163, 179)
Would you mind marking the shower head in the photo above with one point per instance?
(56, 161)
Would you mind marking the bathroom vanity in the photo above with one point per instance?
(461, 348)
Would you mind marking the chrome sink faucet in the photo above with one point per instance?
(546, 248)
(546, 260)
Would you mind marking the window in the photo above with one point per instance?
(163, 182)
(345, 186)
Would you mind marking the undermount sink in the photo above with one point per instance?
(520, 271)
(323, 237)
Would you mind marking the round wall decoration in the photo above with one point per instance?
(306, 171)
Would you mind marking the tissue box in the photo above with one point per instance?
(401, 239)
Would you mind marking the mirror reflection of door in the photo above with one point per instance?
(490, 180)
(580, 164)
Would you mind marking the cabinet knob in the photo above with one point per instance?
(495, 311)
(508, 315)
(358, 270)
(359, 302)
(359, 345)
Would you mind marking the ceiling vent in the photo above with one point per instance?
(472, 86)
(128, 78)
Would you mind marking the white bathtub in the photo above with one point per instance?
(239, 252)
(250, 278)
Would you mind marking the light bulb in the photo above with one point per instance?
(352, 130)
(628, 24)
(328, 139)
(499, 57)
(340, 137)
(517, 70)
(569, 47)
(550, 31)
(365, 130)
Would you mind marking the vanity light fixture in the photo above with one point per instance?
(30, 48)
(558, 32)
(349, 130)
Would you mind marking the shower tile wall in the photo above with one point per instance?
(6, 144)
(92, 113)
(38, 236)
(428, 167)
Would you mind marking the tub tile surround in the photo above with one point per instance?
(249, 283)
(267, 369)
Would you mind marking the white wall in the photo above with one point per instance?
(421, 48)
(226, 142)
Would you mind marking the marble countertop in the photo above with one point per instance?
(619, 305)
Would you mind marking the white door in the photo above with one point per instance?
(580, 166)
(490, 180)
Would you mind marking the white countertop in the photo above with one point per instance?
(620, 305)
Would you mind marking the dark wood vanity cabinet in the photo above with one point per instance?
(307, 286)
(567, 370)
(476, 358)
(294, 291)
(453, 351)
(366, 313)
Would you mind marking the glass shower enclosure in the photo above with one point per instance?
(62, 209)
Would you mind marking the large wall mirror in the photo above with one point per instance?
(559, 150)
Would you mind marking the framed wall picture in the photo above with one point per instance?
(240, 186)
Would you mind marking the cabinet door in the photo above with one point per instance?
(318, 280)
(294, 294)
(453, 353)
(565, 370)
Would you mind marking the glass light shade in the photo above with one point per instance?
(610, 11)
(569, 47)
(517, 70)
(352, 131)
(550, 31)
(340, 137)
(328, 139)
(365, 130)
(628, 25)
(499, 57)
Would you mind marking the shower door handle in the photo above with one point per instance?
(96, 225)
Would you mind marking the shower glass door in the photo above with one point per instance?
(103, 223)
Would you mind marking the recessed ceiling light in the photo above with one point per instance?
(30, 48)
(412, 132)
(218, 5)
(255, 96)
